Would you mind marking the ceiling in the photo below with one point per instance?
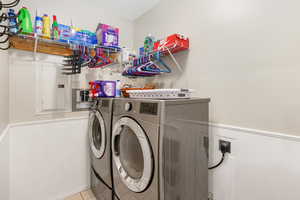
(133, 9)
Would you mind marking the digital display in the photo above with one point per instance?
(149, 108)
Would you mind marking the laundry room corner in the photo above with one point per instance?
(149, 100)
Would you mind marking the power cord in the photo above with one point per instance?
(100, 179)
(224, 148)
(217, 165)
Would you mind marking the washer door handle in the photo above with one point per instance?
(117, 145)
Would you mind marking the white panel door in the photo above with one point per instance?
(53, 89)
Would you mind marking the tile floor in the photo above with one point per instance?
(85, 195)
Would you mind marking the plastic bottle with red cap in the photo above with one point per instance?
(55, 30)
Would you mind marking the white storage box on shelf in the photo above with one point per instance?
(161, 94)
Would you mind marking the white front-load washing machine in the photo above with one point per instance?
(99, 132)
(159, 149)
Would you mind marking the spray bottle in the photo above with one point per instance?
(149, 44)
(55, 30)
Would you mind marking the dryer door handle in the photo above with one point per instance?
(116, 145)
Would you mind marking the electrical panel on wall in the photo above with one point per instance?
(53, 89)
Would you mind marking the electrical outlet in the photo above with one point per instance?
(225, 146)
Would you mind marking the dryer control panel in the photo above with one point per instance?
(149, 108)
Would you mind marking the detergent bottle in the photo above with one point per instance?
(12, 21)
(46, 27)
(25, 19)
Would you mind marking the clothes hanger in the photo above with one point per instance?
(6, 28)
(4, 17)
(9, 5)
(6, 48)
(158, 59)
(5, 40)
(103, 59)
(142, 70)
(72, 64)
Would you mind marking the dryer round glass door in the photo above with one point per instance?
(132, 154)
(97, 135)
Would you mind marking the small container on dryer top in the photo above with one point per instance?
(95, 89)
(107, 88)
(118, 88)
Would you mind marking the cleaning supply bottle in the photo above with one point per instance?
(46, 27)
(149, 44)
(12, 21)
(55, 30)
(25, 19)
(38, 26)
(118, 88)
(74, 36)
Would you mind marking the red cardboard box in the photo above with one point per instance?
(175, 43)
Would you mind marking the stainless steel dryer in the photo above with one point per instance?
(99, 132)
(160, 149)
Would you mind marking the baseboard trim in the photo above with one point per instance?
(47, 121)
(257, 132)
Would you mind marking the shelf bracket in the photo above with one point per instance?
(35, 48)
(179, 67)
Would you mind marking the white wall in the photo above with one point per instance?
(244, 55)
(49, 159)
(4, 85)
(134, 8)
(4, 165)
(262, 165)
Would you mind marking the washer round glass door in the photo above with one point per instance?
(97, 135)
(132, 154)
